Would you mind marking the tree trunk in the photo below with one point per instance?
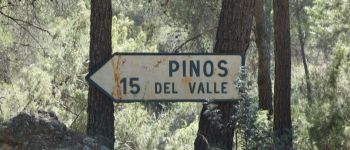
(282, 112)
(233, 35)
(302, 38)
(263, 44)
(100, 107)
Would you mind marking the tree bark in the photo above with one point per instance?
(262, 41)
(100, 107)
(282, 112)
(233, 35)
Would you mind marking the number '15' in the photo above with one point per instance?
(133, 87)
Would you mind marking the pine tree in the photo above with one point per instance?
(262, 41)
(233, 36)
(100, 107)
(282, 110)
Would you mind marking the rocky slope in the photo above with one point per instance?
(43, 131)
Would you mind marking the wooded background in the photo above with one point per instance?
(44, 58)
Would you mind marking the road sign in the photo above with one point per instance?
(129, 77)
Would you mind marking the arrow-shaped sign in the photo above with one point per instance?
(129, 77)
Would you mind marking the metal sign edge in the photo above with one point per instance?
(99, 88)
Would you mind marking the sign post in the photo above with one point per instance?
(129, 77)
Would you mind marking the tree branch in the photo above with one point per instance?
(77, 116)
(16, 20)
(25, 29)
(26, 45)
(176, 50)
(30, 34)
(1, 7)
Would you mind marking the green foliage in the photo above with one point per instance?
(329, 115)
(253, 127)
(329, 20)
(47, 71)
(323, 124)
(136, 129)
(129, 38)
(6, 38)
(44, 59)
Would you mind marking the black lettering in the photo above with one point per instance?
(184, 68)
(200, 87)
(216, 90)
(173, 88)
(221, 67)
(205, 68)
(223, 87)
(158, 88)
(173, 67)
(123, 82)
(166, 87)
(192, 86)
(194, 68)
(208, 90)
(135, 87)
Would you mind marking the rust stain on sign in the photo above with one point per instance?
(116, 92)
(186, 80)
(159, 62)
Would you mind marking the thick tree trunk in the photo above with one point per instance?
(262, 41)
(302, 38)
(233, 35)
(282, 112)
(100, 107)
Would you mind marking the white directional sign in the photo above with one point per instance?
(128, 77)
